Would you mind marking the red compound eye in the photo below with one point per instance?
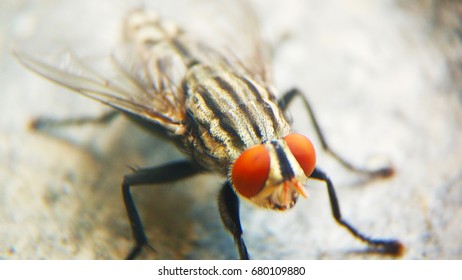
(251, 170)
(303, 151)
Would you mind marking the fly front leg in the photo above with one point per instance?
(384, 246)
(228, 205)
(285, 101)
(163, 174)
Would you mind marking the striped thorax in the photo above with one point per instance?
(229, 113)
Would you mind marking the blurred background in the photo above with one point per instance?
(385, 81)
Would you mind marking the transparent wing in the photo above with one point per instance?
(141, 77)
(157, 102)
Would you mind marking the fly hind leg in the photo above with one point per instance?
(43, 123)
(285, 101)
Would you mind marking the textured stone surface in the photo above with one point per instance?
(385, 85)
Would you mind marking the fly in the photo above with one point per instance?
(221, 111)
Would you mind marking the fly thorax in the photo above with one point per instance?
(271, 175)
(229, 114)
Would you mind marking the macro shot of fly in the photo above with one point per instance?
(222, 111)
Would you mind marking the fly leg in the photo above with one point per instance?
(228, 205)
(284, 103)
(166, 173)
(46, 123)
(384, 246)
